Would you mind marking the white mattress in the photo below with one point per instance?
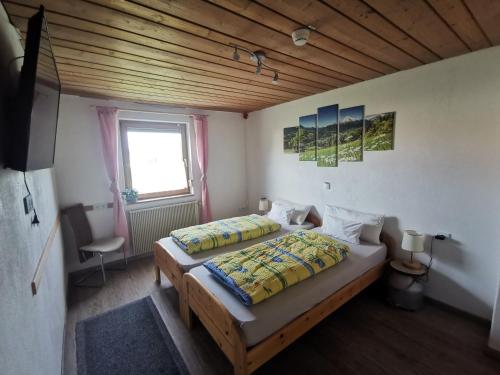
(263, 319)
(189, 261)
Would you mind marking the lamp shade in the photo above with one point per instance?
(413, 241)
(263, 204)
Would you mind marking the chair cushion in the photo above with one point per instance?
(78, 229)
(105, 245)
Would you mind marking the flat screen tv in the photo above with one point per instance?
(33, 118)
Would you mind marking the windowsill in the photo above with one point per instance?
(152, 202)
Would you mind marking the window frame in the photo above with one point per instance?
(161, 127)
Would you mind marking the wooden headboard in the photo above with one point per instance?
(389, 243)
(313, 218)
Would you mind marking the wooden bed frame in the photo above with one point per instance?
(226, 331)
(165, 261)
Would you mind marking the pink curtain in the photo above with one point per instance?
(201, 131)
(108, 119)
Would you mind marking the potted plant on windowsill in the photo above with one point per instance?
(130, 195)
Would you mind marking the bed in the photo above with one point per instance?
(173, 262)
(250, 336)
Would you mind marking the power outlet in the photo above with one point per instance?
(28, 204)
(446, 235)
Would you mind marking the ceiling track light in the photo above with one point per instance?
(258, 58)
(236, 55)
(258, 70)
(275, 78)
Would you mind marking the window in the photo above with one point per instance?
(155, 157)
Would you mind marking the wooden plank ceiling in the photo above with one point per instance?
(178, 52)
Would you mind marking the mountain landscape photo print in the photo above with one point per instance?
(379, 132)
(291, 140)
(351, 133)
(307, 138)
(326, 144)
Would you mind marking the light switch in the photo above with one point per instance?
(326, 186)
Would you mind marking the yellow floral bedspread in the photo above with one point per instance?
(265, 269)
(223, 232)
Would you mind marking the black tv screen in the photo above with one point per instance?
(33, 121)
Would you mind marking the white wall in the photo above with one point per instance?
(443, 175)
(81, 175)
(31, 327)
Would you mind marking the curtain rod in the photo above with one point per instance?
(156, 112)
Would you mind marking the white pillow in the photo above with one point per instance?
(281, 214)
(301, 211)
(372, 223)
(342, 229)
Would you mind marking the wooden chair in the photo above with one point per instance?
(87, 247)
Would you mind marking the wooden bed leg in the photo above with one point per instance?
(187, 315)
(157, 275)
(185, 310)
(240, 358)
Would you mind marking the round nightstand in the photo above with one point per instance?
(405, 286)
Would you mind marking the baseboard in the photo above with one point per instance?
(456, 310)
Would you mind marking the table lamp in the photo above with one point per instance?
(414, 243)
(263, 205)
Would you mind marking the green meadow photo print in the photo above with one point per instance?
(307, 138)
(379, 132)
(351, 133)
(291, 140)
(328, 122)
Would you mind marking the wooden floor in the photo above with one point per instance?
(366, 336)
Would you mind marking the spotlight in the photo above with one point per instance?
(275, 79)
(236, 55)
(258, 70)
(258, 56)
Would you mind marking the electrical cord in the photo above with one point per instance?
(11, 61)
(35, 220)
(26, 184)
(413, 281)
(431, 259)
(14, 59)
(252, 53)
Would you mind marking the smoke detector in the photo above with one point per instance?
(301, 36)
